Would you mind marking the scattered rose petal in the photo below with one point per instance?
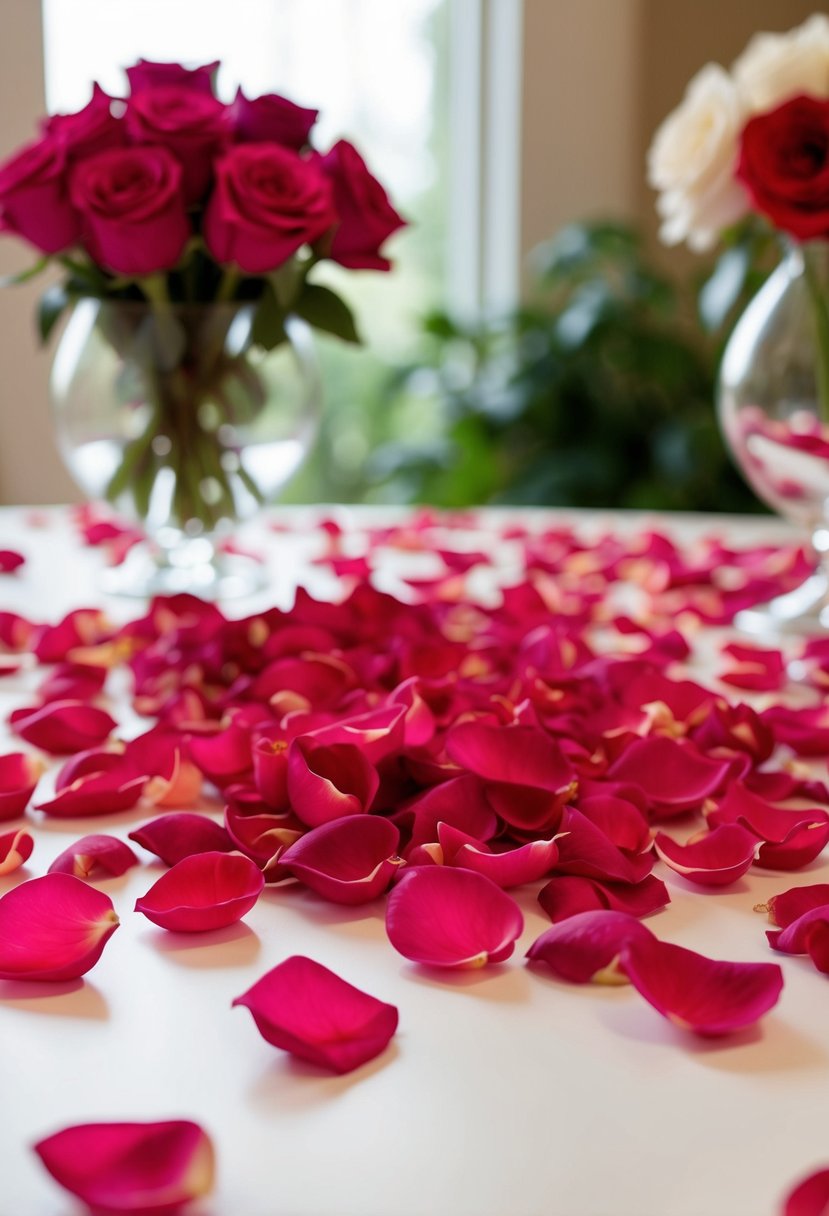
(754, 667)
(143, 1168)
(176, 836)
(202, 892)
(443, 917)
(94, 794)
(305, 1009)
(792, 838)
(674, 776)
(785, 908)
(329, 781)
(698, 993)
(53, 928)
(809, 934)
(810, 1197)
(717, 859)
(348, 861)
(62, 727)
(15, 850)
(19, 774)
(566, 894)
(10, 560)
(586, 947)
(507, 868)
(95, 857)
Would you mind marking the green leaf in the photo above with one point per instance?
(11, 280)
(268, 328)
(50, 308)
(325, 310)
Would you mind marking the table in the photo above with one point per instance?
(504, 1092)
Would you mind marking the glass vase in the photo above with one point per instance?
(178, 418)
(773, 403)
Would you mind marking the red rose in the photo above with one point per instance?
(194, 126)
(34, 201)
(131, 200)
(267, 202)
(148, 75)
(271, 119)
(91, 130)
(366, 216)
(784, 164)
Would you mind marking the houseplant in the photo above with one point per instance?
(744, 156)
(187, 232)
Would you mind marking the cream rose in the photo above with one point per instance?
(692, 161)
(776, 67)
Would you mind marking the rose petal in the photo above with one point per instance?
(810, 1197)
(796, 937)
(584, 849)
(620, 820)
(567, 894)
(451, 918)
(305, 1009)
(15, 850)
(586, 947)
(19, 774)
(509, 868)
(720, 857)
(62, 727)
(95, 794)
(755, 667)
(674, 776)
(699, 993)
(460, 802)
(179, 835)
(792, 838)
(144, 1168)
(53, 928)
(784, 909)
(329, 781)
(10, 560)
(94, 857)
(348, 861)
(202, 892)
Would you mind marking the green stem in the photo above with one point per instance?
(228, 285)
(820, 313)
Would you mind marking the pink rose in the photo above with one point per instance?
(268, 202)
(194, 126)
(34, 201)
(132, 204)
(365, 213)
(91, 130)
(148, 75)
(271, 119)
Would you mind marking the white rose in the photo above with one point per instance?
(775, 67)
(692, 161)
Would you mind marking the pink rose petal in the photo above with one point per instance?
(810, 1197)
(586, 947)
(181, 834)
(94, 857)
(806, 935)
(699, 993)
(73, 682)
(674, 776)
(443, 917)
(149, 1169)
(507, 868)
(567, 894)
(348, 861)
(62, 727)
(718, 858)
(792, 838)
(461, 802)
(10, 560)
(202, 892)
(53, 928)
(329, 781)
(620, 820)
(754, 667)
(305, 1009)
(15, 850)
(19, 774)
(95, 794)
(585, 849)
(784, 909)
(83, 627)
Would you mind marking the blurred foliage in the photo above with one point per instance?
(599, 394)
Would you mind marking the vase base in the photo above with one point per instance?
(802, 611)
(222, 577)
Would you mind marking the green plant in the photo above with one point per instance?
(598, 394)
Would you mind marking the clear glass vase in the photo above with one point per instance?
(773, 403)
(179, 419)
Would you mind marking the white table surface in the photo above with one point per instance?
(504, 1092)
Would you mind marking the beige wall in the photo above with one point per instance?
(599, 76)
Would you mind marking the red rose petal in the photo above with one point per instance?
(329, 781)
(586, 947)
(792, 838)
(348, 861)
(674, 776)
(720, 857)
(785, 908)
(567, 894)
(699, 993)
(19, 774)
(305, 1009)
(796, 937)
(53, 928)
(585, 849)
(810, 1197)
(444, 917)
(94, 857)
(10, 560)
(509, 868)
(143, 1168)
(95, 794)
(15, 850)
(62, 727)
(179, 835)
(202, 892)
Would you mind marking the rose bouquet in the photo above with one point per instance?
(177, 213)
